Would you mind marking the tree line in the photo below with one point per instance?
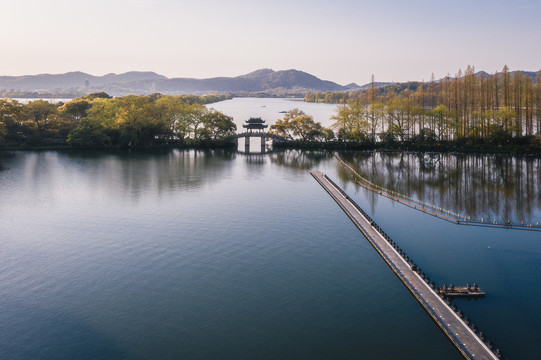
(299, 126)
(502, 108)
(99, 120)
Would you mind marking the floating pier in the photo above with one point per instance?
(457, 291)
(460, 331)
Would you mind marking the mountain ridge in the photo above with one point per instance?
(144, 83)
(261, 82)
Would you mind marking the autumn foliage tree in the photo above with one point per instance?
(471, 106)
(297, 125)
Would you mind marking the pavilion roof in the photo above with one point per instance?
(255, 121)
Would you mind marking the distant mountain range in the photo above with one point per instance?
(531, 74)
(263, 81)
(414, 85)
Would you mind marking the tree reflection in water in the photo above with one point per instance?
(299, 159)
(478, 185)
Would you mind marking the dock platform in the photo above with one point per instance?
(461, 335)
(457, 291)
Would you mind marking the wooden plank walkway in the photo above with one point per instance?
(467, 342)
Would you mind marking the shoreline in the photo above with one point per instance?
(334, 146)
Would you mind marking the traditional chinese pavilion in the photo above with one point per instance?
(256, 127)
(256, 124)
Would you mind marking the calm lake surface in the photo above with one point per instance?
(220, 255)
(270, 110)
(51, 100)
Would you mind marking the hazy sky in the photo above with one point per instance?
(339, 40)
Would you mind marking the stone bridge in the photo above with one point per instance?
(255, 127)
(262, 135)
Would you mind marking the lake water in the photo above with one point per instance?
(51, 100)
(221, 255)
(270, 110)
(215, 254)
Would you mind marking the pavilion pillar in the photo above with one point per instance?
(254, 127)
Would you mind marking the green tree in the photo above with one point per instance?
(88, 133)
(40, 112)
(441, 116)
(296, 124)
(98, 95)
(11, 116)
(74, 110)
(350, 121)
(425, 136)
(327, 134)
(3, 133)
(168, 112)
(217, 126)
(304, 127)
(282, 128)
(391, 134)
(400, 111)
(136, 122)
(375, 113)
(103, 112)
(189, 121)
(505, 117)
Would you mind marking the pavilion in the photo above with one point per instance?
(255, 124)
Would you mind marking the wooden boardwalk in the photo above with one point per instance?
(467, 342)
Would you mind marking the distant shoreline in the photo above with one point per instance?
(322, 146)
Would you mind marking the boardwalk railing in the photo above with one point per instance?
(458, 328)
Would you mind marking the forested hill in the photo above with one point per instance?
(263, 81)
(71, 81)
(384, 88)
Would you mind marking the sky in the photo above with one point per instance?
(340, 40)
